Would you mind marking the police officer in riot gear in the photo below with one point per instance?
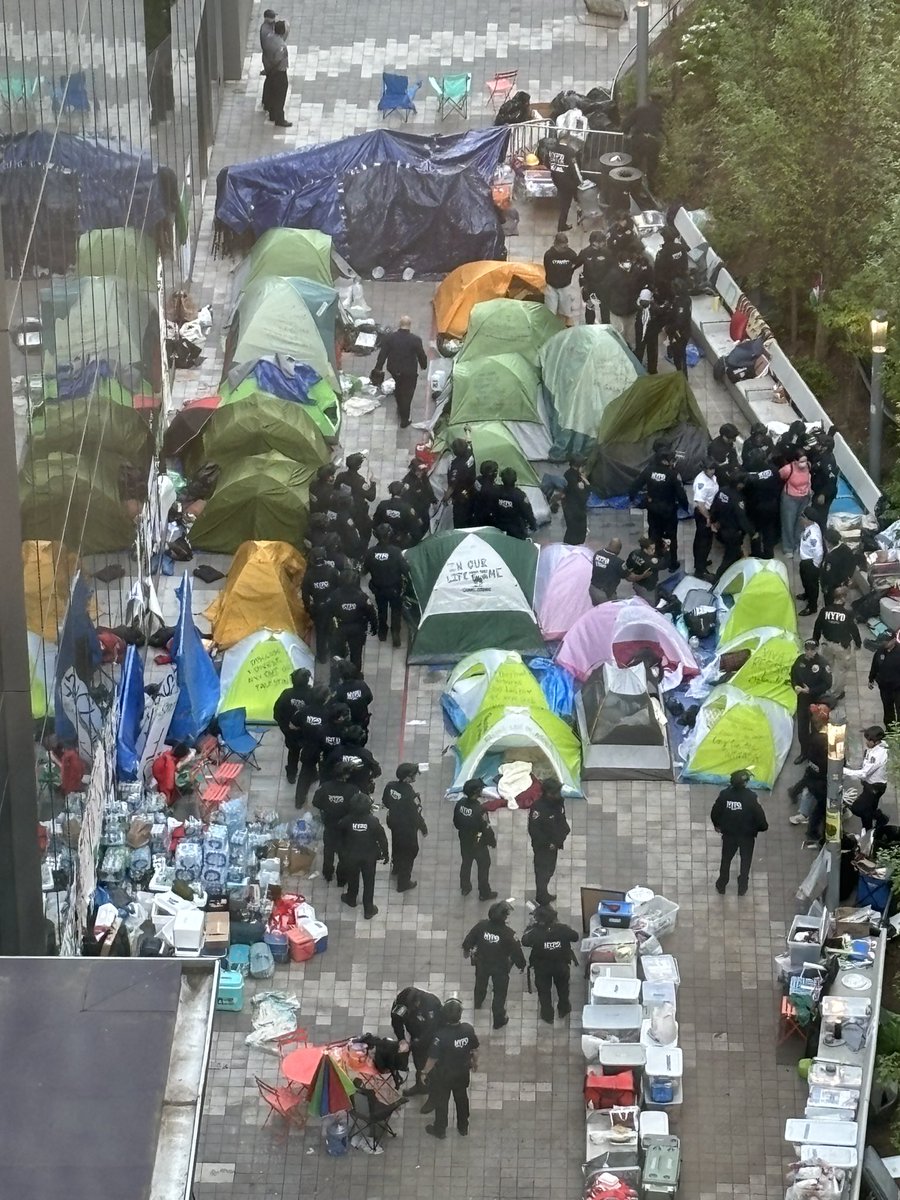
(310, 723)
(287, 708)
(351, 689)
(495, 950)
(452, 1056)
(399, 516)
(332, 800)
(353, 613)
(461, 482)
(728, 514)
(548, 830)
(514, 515)
(387, 570)
(364, 843)
(550, 943)
(405, 821)
(665, 494)
(476, 837)
(320, 581)
(416, 1017)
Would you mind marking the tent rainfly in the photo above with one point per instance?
(508, 327)
(561, 593)
(622, 726)
(257, 669)
(617, 632)
(263, 497)
(764, 600)
(734, 732)
(767, 672)
(261, 591)
(533, 731)
(300, 253)
(492, 677)
(475, 282)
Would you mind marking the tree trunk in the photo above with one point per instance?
(820, 347)
(795, 320)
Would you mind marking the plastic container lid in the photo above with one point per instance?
(660, 1061)
(661, 968)
(639, 895)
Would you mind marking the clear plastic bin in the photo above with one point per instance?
(615, 991)
(661, 968)
(656, 918)
(657, 991)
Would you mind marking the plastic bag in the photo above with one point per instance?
(188, 861)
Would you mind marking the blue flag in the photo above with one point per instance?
(131, 713)
(198, 682)
(78, 656)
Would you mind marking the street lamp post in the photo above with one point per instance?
(642, 58)
(834, 798)
(879, 328)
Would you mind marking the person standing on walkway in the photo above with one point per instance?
(838, 564)
(404, 354)
(387, 570)
(627, 277)
(665, 495)
(814, 780)
(730, 521)
(484, 494)
(354, 615)
(514, 513)
(812, 552)
(642, 567)
(551, 944)
(836, 632)
(398, 514)
(704, 490)
(461, 477)
(495, 950)
(362, 493)
(266, 29)
(275, 60)
(560, 156)
(405, 821)
(594, 263)
(738, 817)
(574, 502)
(332, 800)
(607, 571)
(351, 689)
(310, 723)
(560, 263)
(811, 681)
(364, 843)
(451, 1059)
(476, 837)
(884, 673)
(285, 714)
(416, 1017)
(648, 323)
(418, 491)
(671, 261)
(548, 830)
(762, 495)
(722, 448)
(794, 499)
(872, 778)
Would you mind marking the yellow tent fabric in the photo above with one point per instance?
(473, 282)
(49, 569)
(262, 591)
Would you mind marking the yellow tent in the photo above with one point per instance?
(49, 569)
(262, 591)
(473, 282)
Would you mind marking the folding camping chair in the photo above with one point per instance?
(285, 1102)
(372, 1121)
(501, 86)
(397, 95)
(72, 94)
(236, 738)
(453, 94)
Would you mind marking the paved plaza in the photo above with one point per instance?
(527, 1133)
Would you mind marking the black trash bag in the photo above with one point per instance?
(515, 110)
(202, 483)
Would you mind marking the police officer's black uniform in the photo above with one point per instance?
(400, 516)
(514, 515)
(665, 493)
(562, 160)
(418, 491)
(645, 567)
(484, 499)
(363, 843)
(824, 476)
(762, 496)
(814, 675)
(360, 761)
(884, 673)
(357, 695)
(405, 821)
(362, 494)
(387, 570)
(574, 507)
(607, 570)
(320, 581)
(738, 816)
(461, 485)
(310, 724)
(286, 709)
(332, 799)
(451, 1051)
(728, 512)
(475, 840)
(416, 1017)
(353, 613)
(495, 950)
(838, 566)
(548, 830)
(550, 943)
(594, 261)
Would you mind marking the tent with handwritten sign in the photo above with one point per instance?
(764, 600)
(735, 731)
(767, 671)
(474, 589)
(257, 670)
(518, 732)
(496, 676)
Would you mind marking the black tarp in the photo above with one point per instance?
(616, 466)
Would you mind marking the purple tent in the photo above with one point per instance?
(616, 631)
(561, 588)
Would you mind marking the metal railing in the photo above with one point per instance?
(524, 138)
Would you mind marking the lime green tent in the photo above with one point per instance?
(257, 669)
(764, 600)
(652, 403)
(272, 317)
(740, 573)
(106, 323)
(508, 327)
(767, 671)
(468, 683)
(503, 387)
(42, 667)
(91, 427)
(122, 254)
(262, 497)
(584, 369)
(255, 426)
(491, 440)
(74, 501)
(322, 406)
(305, 253)
(735, 731)
(474, 589)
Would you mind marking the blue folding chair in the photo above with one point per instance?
(397, 95)
(453, 94)
(72, 94)
(236, 738)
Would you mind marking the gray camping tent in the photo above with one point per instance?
(622, 726)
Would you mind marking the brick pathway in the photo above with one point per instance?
(527, 1136)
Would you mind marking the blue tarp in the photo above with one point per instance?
(277, 382)
(198, 682)
(131, 712)
(78, 656)
(303, 189)
(556, 684)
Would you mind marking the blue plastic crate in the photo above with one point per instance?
(230, 993)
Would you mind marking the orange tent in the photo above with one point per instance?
(473, 282)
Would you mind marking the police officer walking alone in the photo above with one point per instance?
(738, 817)
(548, 830)
(405, 821)
(451, 1059)
(475, 840)
(836, 632)
(550, 943)
(403, 353)
(364, 844)
(495, 950)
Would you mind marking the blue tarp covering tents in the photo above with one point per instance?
(304, 189)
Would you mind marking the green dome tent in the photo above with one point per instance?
(503, 387)
(492, 440)
(257, 669)
(272, 317)
(255, 426)
(767, 672)
(263, 497)
(740, 573)
(584, 370)
(93, 427)
(735, 731)
(532, 731)
(764, 600)
(74, 501)
(122, 254)
(474, 589)
(508, 327)
(107, 323)
(304, 253)
(322, 408)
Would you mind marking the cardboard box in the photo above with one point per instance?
(301, 860)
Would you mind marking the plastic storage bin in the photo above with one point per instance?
(187, 933)
(238, 959)
(805, 939)
(599, 1126)
(662, 1167)
(621, 1056)
(622, 1022)
(661, 991)
(829, 1133)
(615, 991)
(653, 1123)
(661, 968)
(278, 944)
(663, 1073)
(230, 992)
(622, 970)
(656, 918)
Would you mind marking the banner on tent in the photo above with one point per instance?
(266, 668)
(83, 714)
(474, 578)
(156, 721)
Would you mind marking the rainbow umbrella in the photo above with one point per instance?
(331, 1088)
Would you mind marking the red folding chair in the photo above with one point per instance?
(290, 1041)
(284, 1102)
(788, 1024)
(501, 86)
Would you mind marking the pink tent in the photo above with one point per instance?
(561, 588)
(617, 630)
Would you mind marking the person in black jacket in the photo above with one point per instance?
(321, 489)
(353, 613)
(814, 780)
(351, 689)
(558, 153)
(355, 754)
(415, 1017)
(671, 261)
(811, 680)
(548, 830)
(677, 324)
(625, 280)
(319, 584)
(513, 508)
(332, 799)
(648, 324)
(400, 517)
(824, 476)
(836, 632)
(665, 494)
(310, 723)
(884, 673)
(574, 502)
(838, 565)
(560, 263)
(757, 448)
(461, 482)
(722, 448)
(550, 943)
(643, 566)
(340, 521)
(738, 817)
(362, 493)
(387, 570)
(364, 843)
(453, 1054)
(594, 261)
(405, 821)
(476, 837)
(495, 950)
(484, 494)
(729, 518)
(607, 571)
(403, 353)
(287, 708)
(762, 495)
(418, 491)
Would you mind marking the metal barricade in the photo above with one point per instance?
(524, 138)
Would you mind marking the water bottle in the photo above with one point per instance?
(336, 1129)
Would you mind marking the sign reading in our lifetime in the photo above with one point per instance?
(473, 573)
